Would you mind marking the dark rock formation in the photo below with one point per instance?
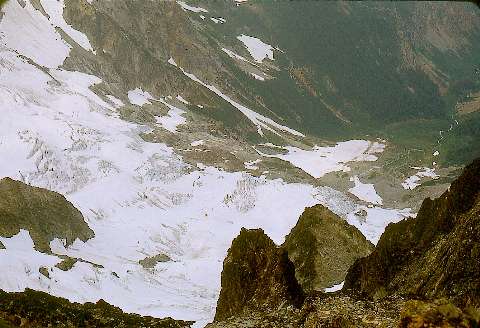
(322, 246)
(256, 275)
(45, 214)
(436, 254)
(424, 272)
(441, 313)
(37, 309)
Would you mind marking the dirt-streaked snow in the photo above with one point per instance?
(28, 32)
(54, 10)
(322, 160)
(414, 181)
(252, 165)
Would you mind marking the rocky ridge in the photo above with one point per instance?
(422, 273)
(35, 309)
(433, 255)
(256, 275)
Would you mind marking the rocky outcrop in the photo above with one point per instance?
(256, 274)
(440, 313)
(322, 246)
(423, 272)
(436, 254)
(45, 214)
(37, 309)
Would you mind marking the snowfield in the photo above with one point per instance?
(365, 191)
(258, 49)
(322, 160)
(141, 199)
(414, 181)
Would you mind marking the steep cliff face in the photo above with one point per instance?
(322, 246)
(435, 254)
(433, 257)
(45, 214)
(256, 275)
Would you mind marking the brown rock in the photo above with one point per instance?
(256, 275)
(433, 255)
(322, 246)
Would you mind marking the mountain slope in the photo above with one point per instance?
(172, 125)
(422, 273)
(432, 255)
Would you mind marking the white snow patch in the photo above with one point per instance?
(21, 263)
(258, 49)
(237, 56)
(376, 220)
(139, 97)
(173, 118)
(186, 7)
(365, 191)
(29, 33)
(172, 62)
(322, 160)
(258, 77)
(218, 20)
(183, 100)
(54, 9)
(334, 288)
(414, 181)
(137, 197)
(260, 121)
(197, 143)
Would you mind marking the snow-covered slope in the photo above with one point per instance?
(141, 199)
